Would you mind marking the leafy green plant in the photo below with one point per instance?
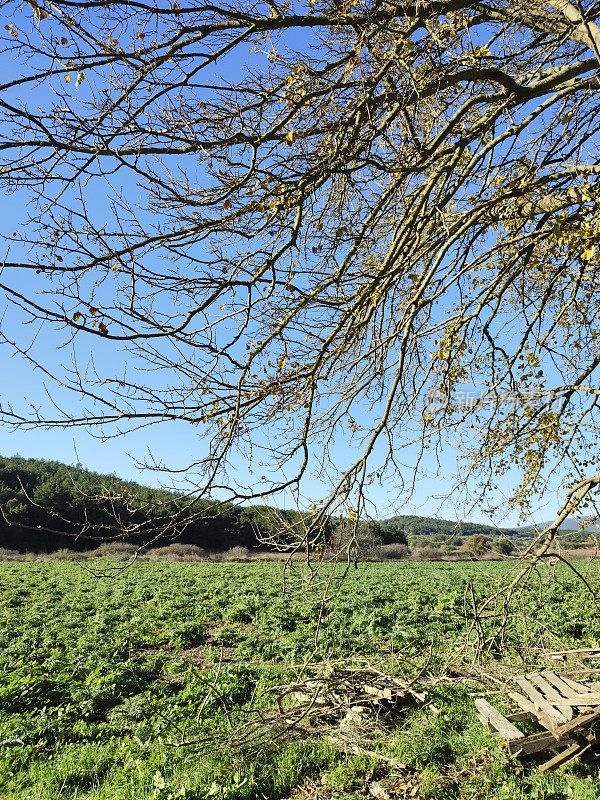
(100, 677)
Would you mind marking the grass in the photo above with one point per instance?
(103, 677)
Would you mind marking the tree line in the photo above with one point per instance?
(47, 505)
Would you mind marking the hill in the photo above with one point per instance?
(569, 524)
(47, 505)
(429, 526)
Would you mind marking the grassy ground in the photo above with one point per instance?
(103, 678)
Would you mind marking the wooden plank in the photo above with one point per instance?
(522, 701)
(559, 682)
(593, 686)
(547, 688)
(535, 744)
(580, 721)
(486, 724)
(578, 687)
(574, 751)
(587, 650)
(497, 720)
(540, 701)
(381, 693)
(527, 705)
(583, 650)
(572, 690)
(556, 699)
(577, 694)
(580, 700)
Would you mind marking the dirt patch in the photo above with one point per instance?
(193, 654)
(581, 553)
(150, 651)
(406, 787)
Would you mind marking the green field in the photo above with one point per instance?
(103, 679)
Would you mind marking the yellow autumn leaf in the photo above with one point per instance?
(588, 253)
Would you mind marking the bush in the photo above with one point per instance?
(447, 549)
(10, 555)
(428, 552)
(418, 542)
(504, 546)
(477, 544)
(120, 551)
(177, 552)
(189, 634)
(393, 552)
(237, 554)
(63, 554)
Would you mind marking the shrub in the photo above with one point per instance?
(237, 554)
(393, 552)
(189, 634)
(504, 546)
(177, 552)
(10, 555)
(427, 553)
(120, 551)
(64, 554)
(477, 544)
(447, 549)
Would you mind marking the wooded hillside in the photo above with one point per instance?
(47, 505)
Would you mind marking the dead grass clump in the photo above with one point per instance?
(64, 554)
(11, 555)
(267, 555)
(392, 552)
(237, 553)
(177, 552)
(118, 551)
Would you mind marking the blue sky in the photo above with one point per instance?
(174, 443)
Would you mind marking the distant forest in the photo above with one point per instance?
(46, 506)
(428, 526)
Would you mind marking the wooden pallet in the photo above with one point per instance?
(566, 710)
